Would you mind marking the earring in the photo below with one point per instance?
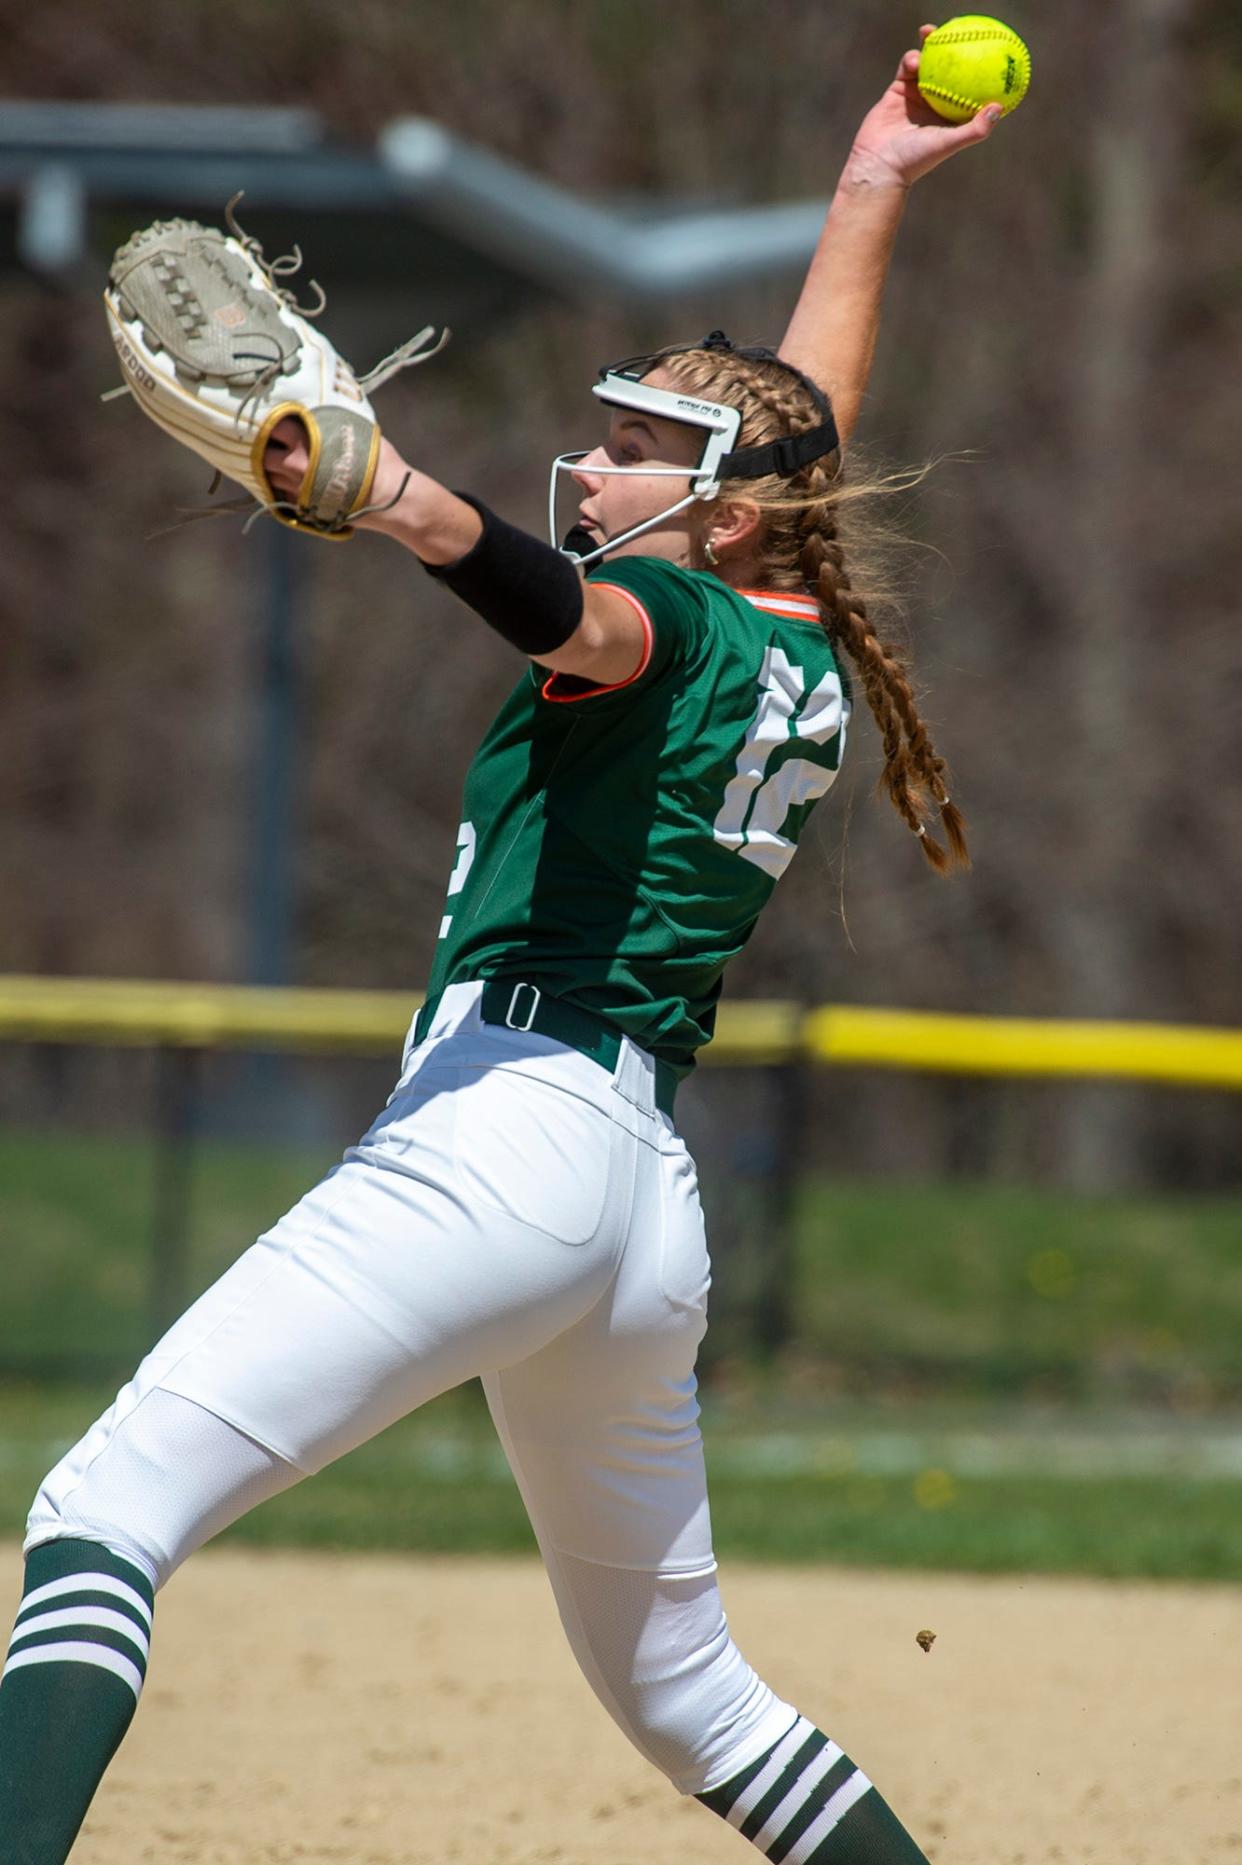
(710, 554)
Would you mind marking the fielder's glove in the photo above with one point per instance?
(217, 351)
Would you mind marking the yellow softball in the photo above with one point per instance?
(971, 61)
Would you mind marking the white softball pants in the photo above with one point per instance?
(519, 1213)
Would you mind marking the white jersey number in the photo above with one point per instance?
(756, 805)
(466, 840)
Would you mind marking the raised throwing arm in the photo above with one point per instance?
(832, 332)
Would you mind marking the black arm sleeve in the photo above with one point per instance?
(526, 590)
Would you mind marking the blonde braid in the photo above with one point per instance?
(912, 769)
(800, 549)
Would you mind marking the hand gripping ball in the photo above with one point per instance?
(971, 61)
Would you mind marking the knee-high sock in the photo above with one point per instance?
(68, 1692)
(805, 1803)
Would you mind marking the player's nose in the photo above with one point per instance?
(582, 473)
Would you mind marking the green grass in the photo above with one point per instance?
(436, 1482)
(1011, 1290)
(918, 1310)
(76, 1238)
(961, 1288)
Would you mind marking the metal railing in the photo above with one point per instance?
(172, 1015)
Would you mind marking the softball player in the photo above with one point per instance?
(523, 1209)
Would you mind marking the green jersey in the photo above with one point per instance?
(619, 842)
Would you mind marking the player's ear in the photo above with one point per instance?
(734, 522)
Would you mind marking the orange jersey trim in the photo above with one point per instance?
(568, 699)
(783, 602)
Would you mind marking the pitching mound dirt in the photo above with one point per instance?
(380, 1711)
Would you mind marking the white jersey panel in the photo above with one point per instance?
(757, 803)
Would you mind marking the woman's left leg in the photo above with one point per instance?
(412, 1267)
(165, 1480)
(601, 1429)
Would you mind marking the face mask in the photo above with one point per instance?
(617, 390)
(622, 386)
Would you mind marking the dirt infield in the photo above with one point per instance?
(380, 1711)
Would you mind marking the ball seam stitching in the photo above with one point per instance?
(952, 97)
(970, 38)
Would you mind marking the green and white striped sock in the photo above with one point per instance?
(68, 1692)
(805, 1803)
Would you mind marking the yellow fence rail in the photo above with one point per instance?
(120, 1012)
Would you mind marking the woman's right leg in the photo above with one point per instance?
(601, 1429)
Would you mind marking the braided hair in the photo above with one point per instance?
(799, 548)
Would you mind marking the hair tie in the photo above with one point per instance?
(922, 829)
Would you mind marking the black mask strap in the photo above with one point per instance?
(792, 452)
(785, 456)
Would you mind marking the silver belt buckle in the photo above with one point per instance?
(511, 1015)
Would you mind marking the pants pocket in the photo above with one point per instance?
(532, 1152)
(685, 1268)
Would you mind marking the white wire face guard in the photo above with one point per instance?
(721, 424)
